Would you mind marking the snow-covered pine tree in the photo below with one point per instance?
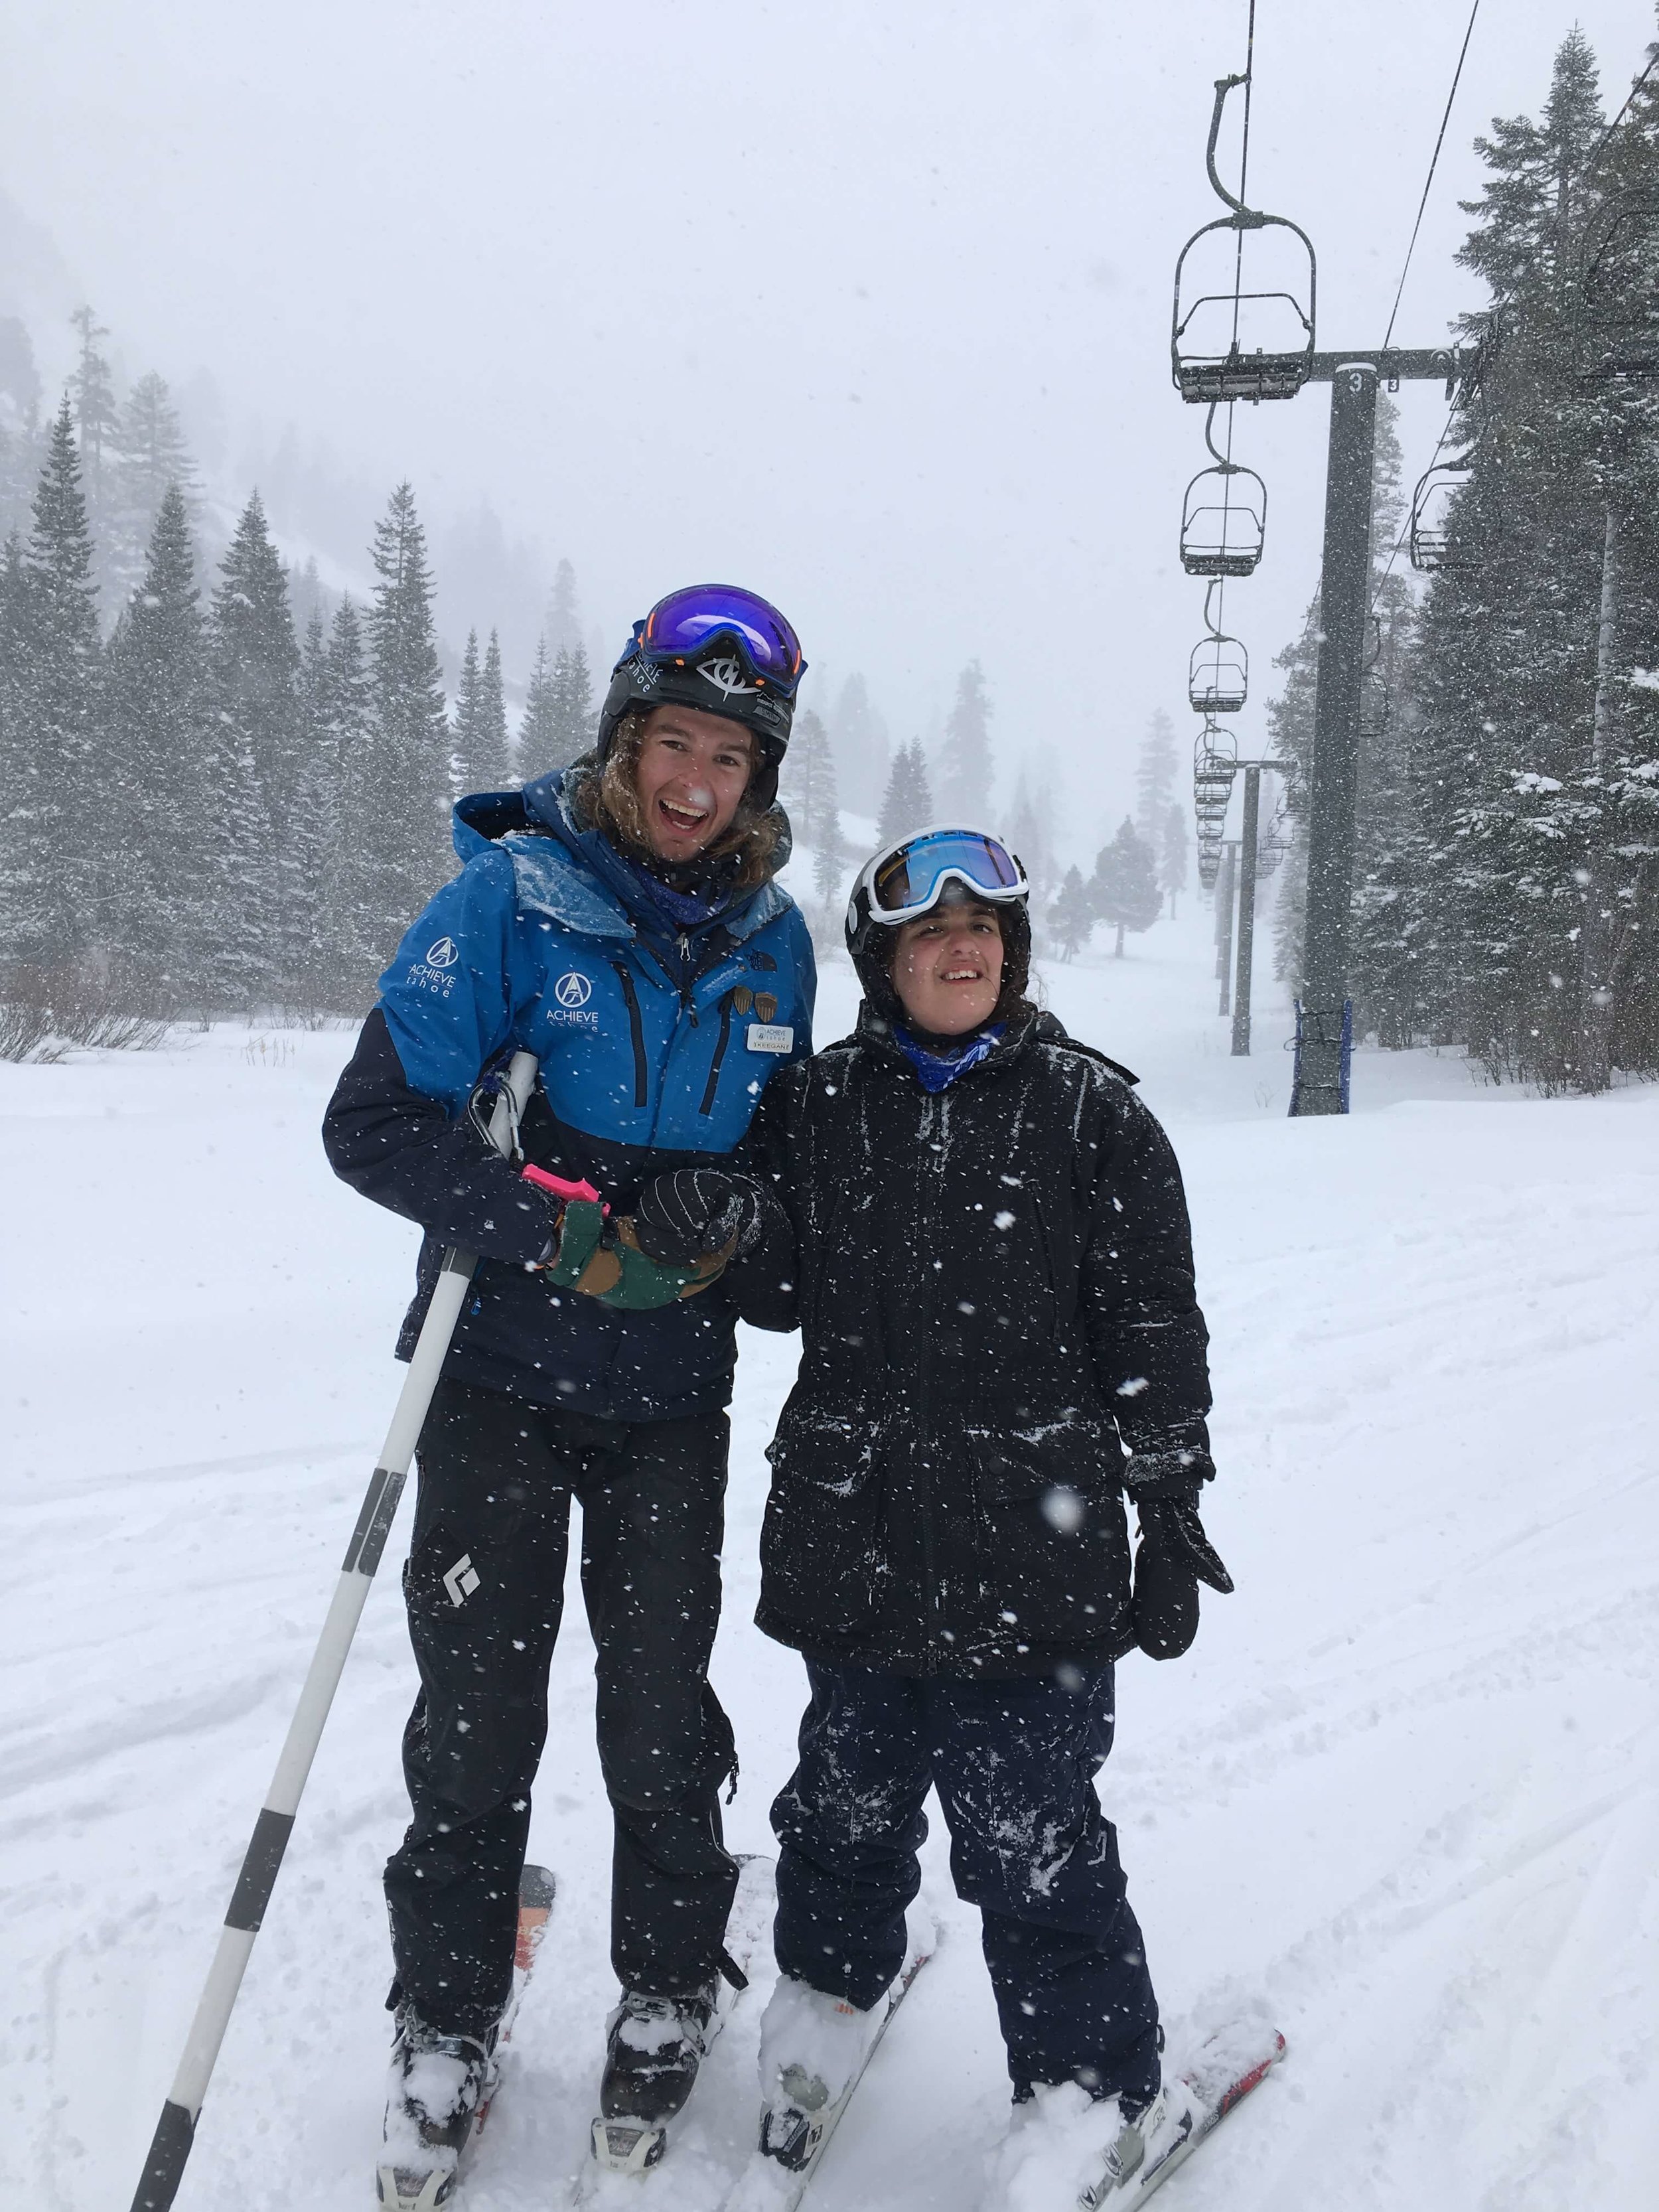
(1072, 915)
(463, 737)
(1155, 775)
(97, 421)
(1124, 889)
(1174, 845)
(908, 802)
(859, 737)
(256, 662)
(563, 627)
(313, 824)
(1030, 834)
(965, 766)
(1522, 877)
(50, 886)
(407, 792)
(159, 728)
(494, 767)
(573, 707)
(808, 789)
(150, 453)
(359, 889)
(538, 727)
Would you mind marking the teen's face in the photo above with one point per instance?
(947, 968)
(694, 769)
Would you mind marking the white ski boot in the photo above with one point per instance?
(812, 2050)
(1064, 2148)
(438, 2084)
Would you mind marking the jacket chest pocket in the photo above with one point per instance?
(823, 1550)
(1052, 1538)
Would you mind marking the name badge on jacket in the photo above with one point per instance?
(771, 1036)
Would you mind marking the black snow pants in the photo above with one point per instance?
(1014, 1762)
(484, 1586)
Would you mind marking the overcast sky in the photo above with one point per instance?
(866, 305)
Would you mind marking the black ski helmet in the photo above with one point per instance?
(946, 862)
(719, 648)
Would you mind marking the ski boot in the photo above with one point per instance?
(439, 2084)
(813, 2051)
(653, 2047)
(1065, 2147)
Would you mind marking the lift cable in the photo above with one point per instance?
(1434, 160)
(1243, 188)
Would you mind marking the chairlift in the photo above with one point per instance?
(1616, 316)
(1431, 544)
(1209, 865)
(1228, 342)
(1223, 521)
(1217, 675)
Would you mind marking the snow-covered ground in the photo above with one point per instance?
(1404, 1794)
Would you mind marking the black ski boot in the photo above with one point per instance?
(654, 2046)
(439, 2083)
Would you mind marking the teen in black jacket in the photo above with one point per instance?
(981, 1233)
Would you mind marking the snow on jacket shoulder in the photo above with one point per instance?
(994, 1289)
(653, 1052)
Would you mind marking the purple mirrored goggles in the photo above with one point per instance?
(682, 627)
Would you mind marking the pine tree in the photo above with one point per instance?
(563, 626)
(859, 737)
(264, 923)
(1071, 915)
(408, 758)
(150, 453)
(464, 740)
(965, 767)
(159, 733)
(96, 419)
(50, 889)
(807, 787)
(573, 707)
(1173, 848)
(362, 888)
(1124, 890)
(494, 763)
(540, 732)
(908, 802)
(313, 827)
(1155, 775)
(1030, 836)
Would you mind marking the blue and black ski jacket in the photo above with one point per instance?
(654, 1046)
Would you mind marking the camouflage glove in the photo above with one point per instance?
(603, 1260)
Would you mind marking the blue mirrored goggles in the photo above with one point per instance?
(909, 879)
(691, 623)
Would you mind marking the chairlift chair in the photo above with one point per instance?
(1217, 675)
(1431, 544)
(1616, 315)
(1229, 343)
(1223, 521)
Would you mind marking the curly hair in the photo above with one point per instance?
(610, 800)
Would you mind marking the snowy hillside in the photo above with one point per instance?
(1401, 1795)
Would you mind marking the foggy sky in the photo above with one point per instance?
(865, 305)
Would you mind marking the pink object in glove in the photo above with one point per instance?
(559, 1186)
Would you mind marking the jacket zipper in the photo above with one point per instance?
(636, 1030)
(933, 1118)
(707, 1106)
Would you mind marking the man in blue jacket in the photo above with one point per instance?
(620, 921)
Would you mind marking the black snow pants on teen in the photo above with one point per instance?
(484, 1586)
(1014, 1762)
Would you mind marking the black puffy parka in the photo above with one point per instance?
(993, 1284)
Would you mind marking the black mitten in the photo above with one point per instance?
(694, 1213)
(1173, 1557)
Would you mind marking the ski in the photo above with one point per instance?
(767, 2184)
(634, 2147)
(536, 1890)
(1215, 2081)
